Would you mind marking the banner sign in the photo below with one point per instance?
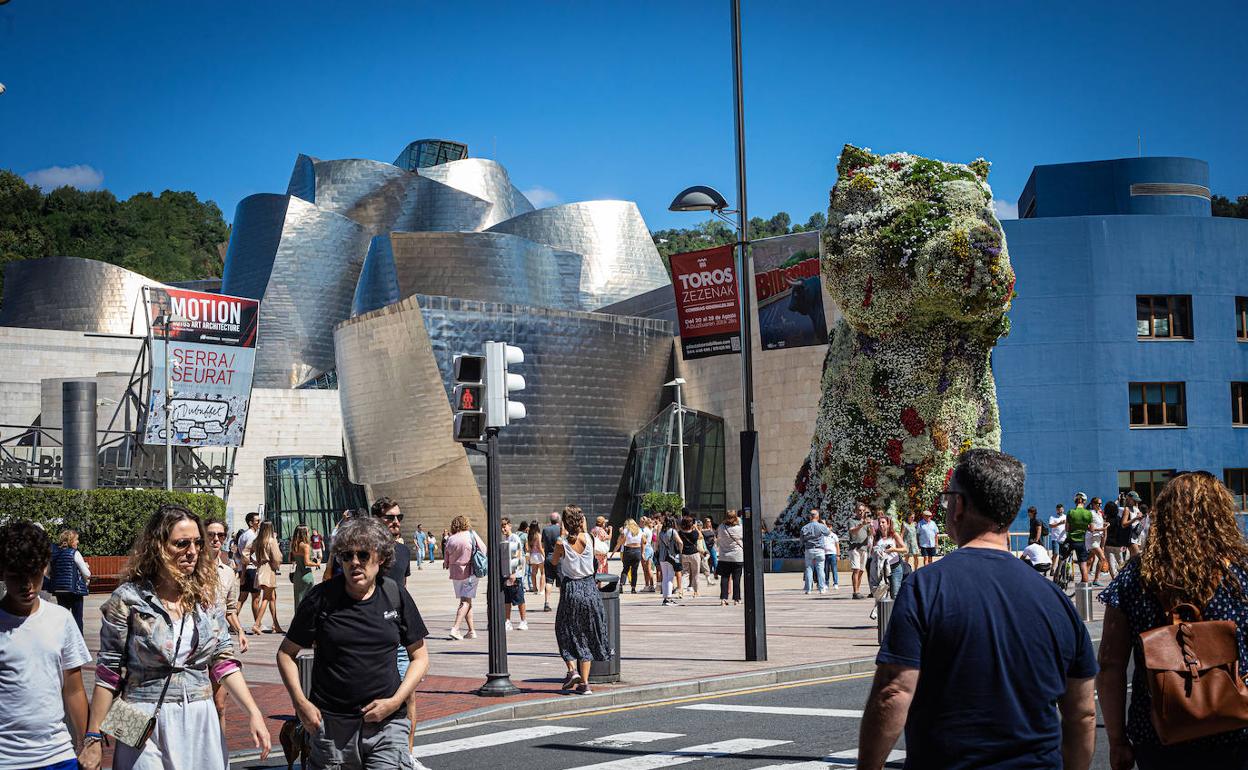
(211, 354)
(707, 308)
(788, 291)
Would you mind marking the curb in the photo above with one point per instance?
(562, 704)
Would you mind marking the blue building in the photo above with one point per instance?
(1128, 356)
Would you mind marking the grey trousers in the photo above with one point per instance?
(350, 743)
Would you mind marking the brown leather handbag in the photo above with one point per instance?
(1193, 677)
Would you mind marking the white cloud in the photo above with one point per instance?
(1005, 209)
(540, 197)
(82, 176)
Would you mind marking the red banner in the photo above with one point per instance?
(707, 306)
(216, 319)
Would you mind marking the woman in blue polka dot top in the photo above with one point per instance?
(1194, 554)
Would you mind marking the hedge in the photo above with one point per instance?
(107, 520)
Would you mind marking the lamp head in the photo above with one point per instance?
(698, 198)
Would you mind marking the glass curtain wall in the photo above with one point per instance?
(308, 490)
(654, 464)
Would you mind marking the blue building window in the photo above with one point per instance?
(1146, 484)
(1239, 403)
(1241, 319)
(1158, 404)
(1163, 316)
(1237, 481)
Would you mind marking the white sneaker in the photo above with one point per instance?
(823, 591)
(470, 635)
(507, 626)
(524, 625)
(835, 587)
(456, 635)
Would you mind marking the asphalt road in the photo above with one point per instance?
(807, 726)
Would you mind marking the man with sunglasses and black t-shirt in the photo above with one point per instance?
(354, 715)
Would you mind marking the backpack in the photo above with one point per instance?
(1192, 670)
(480, 562)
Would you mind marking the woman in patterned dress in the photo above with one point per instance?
(1194, 555)
(581, 622)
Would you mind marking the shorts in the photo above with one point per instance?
(1043, 569)
(858, 558)
(1094, 542)
(536, 558)
(1079, 550)
(352, 742)
(466, 588)
(551, 572)
(248, 586)
(926, 550)
(514, 593)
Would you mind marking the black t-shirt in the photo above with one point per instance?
(994, 643)
(688, 542)
(550, 536)
(402, 566)
(1116, 536)
(1035, 531)
(356, 644)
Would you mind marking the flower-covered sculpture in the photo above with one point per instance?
(915, 258)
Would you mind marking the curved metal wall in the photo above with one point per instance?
(618, 259)
(396, 416)
(310, 280)
(591, 381)
(72, 294)
(491, 267)
(254, 238)
(484, 179)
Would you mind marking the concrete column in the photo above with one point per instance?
(78, 426)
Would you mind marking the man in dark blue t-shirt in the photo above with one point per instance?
(982, 653)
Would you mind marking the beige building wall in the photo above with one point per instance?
(786, 401)
(281, 422)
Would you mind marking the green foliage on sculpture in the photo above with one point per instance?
(916, 259)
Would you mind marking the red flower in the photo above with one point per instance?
(894, 165)
(912, 422)
(868, 481)
(894, 450)
(866, 299)
(948, 476)
(823, 487)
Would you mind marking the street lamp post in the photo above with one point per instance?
(680, 437)
(703, 198)
(165, 320)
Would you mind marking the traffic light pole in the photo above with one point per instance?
(497, 681)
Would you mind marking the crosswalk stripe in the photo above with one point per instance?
(786, 710)
(491, 739)
(815, 765)
(683, 756)
(849, 758)
(621, 740)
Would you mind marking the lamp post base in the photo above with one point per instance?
(497, 686)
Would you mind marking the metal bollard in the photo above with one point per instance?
(1084, 598)
(883, 613)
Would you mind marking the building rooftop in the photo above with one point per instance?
(1155, 185)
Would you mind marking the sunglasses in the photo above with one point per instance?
(346, 557)
(183, 543)
(393, 517)
(216, 535)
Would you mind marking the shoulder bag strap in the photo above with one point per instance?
(175, 668)
(1176, 618)
(125, 653)
(390, 589)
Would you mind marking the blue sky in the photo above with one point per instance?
(633, 100)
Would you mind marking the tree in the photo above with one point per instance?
(715, 232)
(170, 237)
(1223, 207)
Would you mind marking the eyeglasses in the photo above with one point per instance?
(947, 499)
(346, 557)
(183, 543)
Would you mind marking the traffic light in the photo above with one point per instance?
(499, 410)
(468, 404)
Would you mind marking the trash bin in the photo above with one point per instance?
(883, 614)
(604, 671)
(303, 661)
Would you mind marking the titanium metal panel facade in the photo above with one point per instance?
(492, 267)
(73, 294)
(484, 179)
(592, 380)
(372, 193)
(617, 255)
(305, 282)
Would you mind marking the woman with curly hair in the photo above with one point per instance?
(1195, 554)
(163, 642)
(580, 622)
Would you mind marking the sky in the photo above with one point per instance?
(593, 99)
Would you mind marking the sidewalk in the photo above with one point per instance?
(660, 645)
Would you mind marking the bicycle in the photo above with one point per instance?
(1064, 574)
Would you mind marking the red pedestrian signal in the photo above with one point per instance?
(469, 397)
